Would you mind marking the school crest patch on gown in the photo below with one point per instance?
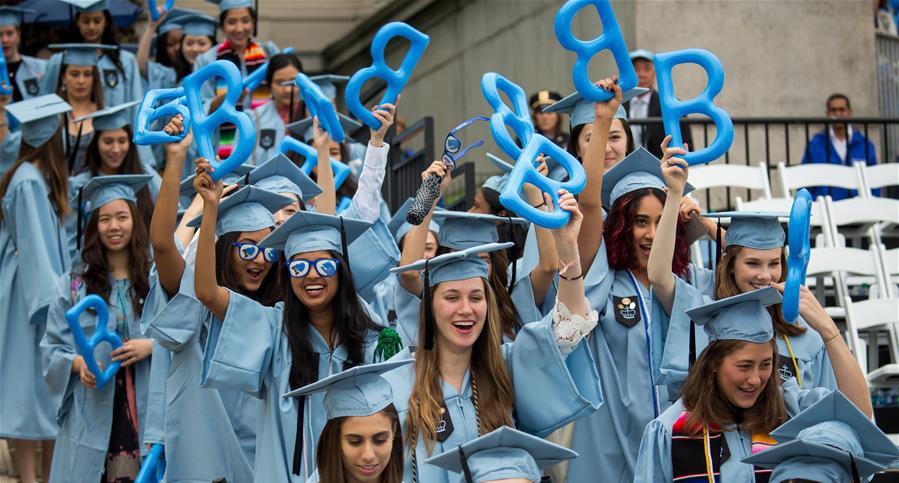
(445, 425)
(32, 87)
(267, 138)
(785, 367)
(627, 311)
(111, 78)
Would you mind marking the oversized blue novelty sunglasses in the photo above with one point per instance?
(452, 146)
(249, 251)
(326, 267)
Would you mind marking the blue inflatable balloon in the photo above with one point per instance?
(320, 106)
(5, 85)
(290, 144)
(153, 468)
(148, 113)
(611, 39)
(254, 80)
(154, 10)
(395, 79)
(204, 125)
(799, 244)
(344, 204)
(101, 334)
(525, 172)
(674, 109)
(518, 118)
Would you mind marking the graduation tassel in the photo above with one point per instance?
(74, 152)
(429, 316)
(290, 112)
(855, 475)
(512, 261)
(718, 248)
(466, 471)
(78, 208)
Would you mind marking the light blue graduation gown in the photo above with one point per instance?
(209, 433)
(372, 255)
(608, 440)
(382, 303)
(159, 76)
(85, 416)
(118, 88)
(29, 76)
(551, 390)
(672, 355)
(654, 461)
(30, 236)
(270, 131)
(9, 150)
(249, 351)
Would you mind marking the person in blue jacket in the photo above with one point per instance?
(25, 72)
(839, 144)
(321, 327)
(362, 441)
(465, 382)
(34, 256)
(119, 76)
(100, 429)
(733, 399)
(754, 257)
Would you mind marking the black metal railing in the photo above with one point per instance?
(411, 151)
(782, 139)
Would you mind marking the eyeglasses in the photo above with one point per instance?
(249, 251)
(326, 267)
(452, 145)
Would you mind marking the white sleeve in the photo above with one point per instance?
(571, 328)
(367, 197)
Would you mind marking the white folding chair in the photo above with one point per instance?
(731, 176)
(874, 316)
(800, 176)
(869, 216)
(879, 175)
(841, 268)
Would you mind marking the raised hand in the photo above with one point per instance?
(385, 114)
(606, 110)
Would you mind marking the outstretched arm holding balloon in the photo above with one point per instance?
(368, 195)
(543, 275)
(325, 203)
(593, 161)
(851, 380)
(169, 264)
(146, 42)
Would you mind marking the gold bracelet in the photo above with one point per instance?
(834, 336)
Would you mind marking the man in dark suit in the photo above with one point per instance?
(649, 136)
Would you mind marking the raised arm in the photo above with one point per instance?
(415, 240)
(169, 264)
(543, 275)
(594, 164)
(146, 43)
(851, 380)
(660, 257)
(368, 194)
(208, 291)
(571, 273)
(326, 202)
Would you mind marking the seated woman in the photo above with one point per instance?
(465, 382)
(100, 429)
(361, 442)
(730, 397)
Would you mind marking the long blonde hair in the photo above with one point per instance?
(495, 395)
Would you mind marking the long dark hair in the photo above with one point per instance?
(269, 292)
(280, 61)
(130, 165)
(51, 162)
(162, 51)
(351, 325)
(329, 455)
(107, 38)
(182, 67)
(96, 88)
(96, 267)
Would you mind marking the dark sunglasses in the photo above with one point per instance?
(452, 145)
(249, 251)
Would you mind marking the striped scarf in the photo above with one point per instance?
(253, 57)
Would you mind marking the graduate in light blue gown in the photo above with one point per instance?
(119, 76)
(362, 440)
(321, 328)
(25, 71)
(163, 36)
(110, 152)
(830, 442)
(506, 455)
(33, 258)
(280, 175)
(465, 382)
(458, 231)
(615, 253)
(754, 257)
(384, 301)
(100, 429)
(733, 397)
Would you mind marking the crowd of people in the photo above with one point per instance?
(285, 326)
